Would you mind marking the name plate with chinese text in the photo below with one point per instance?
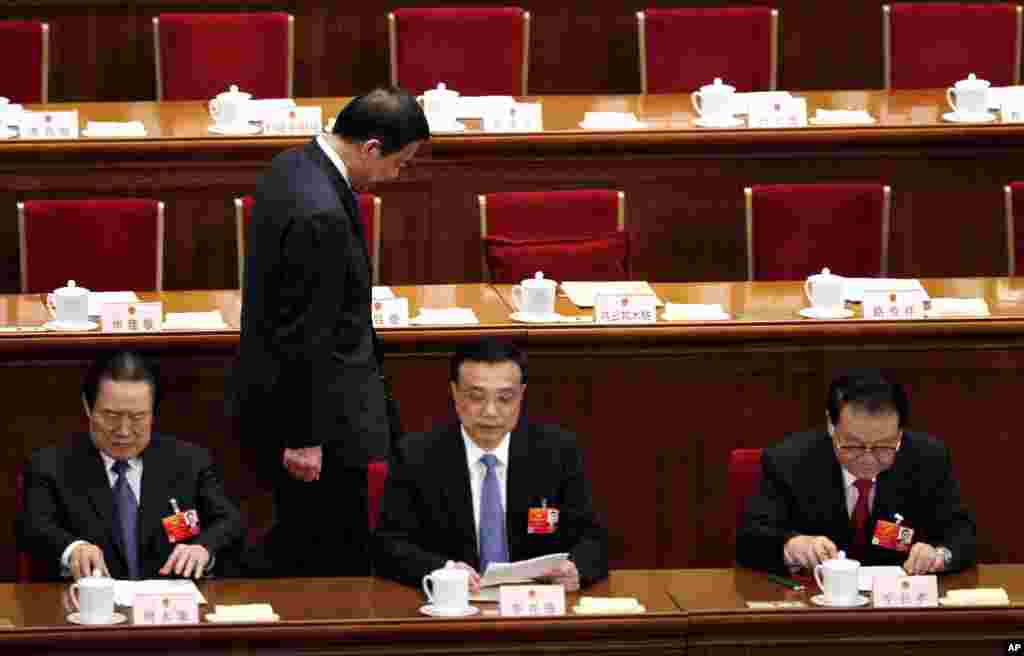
(49, 125)
(905, 591)
(625, 308)
(390, 312)
(131, 317)
(531, 600)
(156, 608)
(892, 304)
(292, 120)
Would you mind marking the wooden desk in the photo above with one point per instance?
(683, 185)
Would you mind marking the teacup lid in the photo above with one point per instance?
(71, 290)
(717, 86)
(441, 90)
(825, 274)
(972, 82)
(233, 92)
(450, 573)
(841, 562)
(538, 280)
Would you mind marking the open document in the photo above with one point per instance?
(523, 571)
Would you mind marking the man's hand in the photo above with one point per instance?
(474, 578)
(188, 560)
(304, 464)
(808, 551)
(87, 559)
(565, 574)
(924, 559)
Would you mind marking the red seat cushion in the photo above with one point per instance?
(600, 256)
(21, 48)
(474, 50)
(936, 44)
(688, 48)
(201, 55)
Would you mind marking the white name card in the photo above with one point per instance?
(780, 113)
(1012, 111)
(905, 591)
(513, 117)
(156, 608)
(531, 600)
(292, 120)
(892, 304)
(49, 125)
(131, 317)
(390, 312)
(625, 308)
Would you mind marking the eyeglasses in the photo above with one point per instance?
(858, 451)
(112, 419)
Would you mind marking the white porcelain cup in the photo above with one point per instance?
(94, 598)
(837, 579)
(441, 106)
(4, 108)
(969, 96)
(825, 291)
(714, 101)
(535, 296)
(230, 109)
(447, 589)
(71, 303)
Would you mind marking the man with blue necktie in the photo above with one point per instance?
(490, 488)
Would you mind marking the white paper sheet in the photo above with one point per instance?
(211, 320)
(854, 288)
(523, 570)
(382, 293)
(453, 316)
(740, 103)
(957, 307)
(582, 293)
(694, 312)
(114, 129)
(97, 299)
(866, 574)
(125, 591)
(477, 106)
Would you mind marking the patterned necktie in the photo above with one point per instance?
(492, 517)
(126, 511)
(860, 517)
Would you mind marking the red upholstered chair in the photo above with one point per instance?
(1014, 196)
(369, 210)
(796, 230)
(570, 235)
(474, 50)
(376, 477)
(200, 55)
(744, 479)
(105, 245)
(683, 49)
(935, 44)
(25, 49)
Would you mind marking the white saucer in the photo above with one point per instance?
(814, 313)
(819, 600)
(68, 326)
(554, 317)
(116, 618)
(465, 612)
(248, 129)
(704, 122)
(957, 117)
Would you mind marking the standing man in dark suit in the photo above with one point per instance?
(96, 505)
(308, 383)
(867, 486)
(462, 495)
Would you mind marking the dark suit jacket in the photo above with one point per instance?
(802, 494)
(68, 497)
(308, 349)
(426, 513)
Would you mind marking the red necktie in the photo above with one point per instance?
(860, 517)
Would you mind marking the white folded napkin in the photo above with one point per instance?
(977, 597)
(958, 307)
(693, 312)
(452, 316)
(115, 129)
(840, 116)
(594, 605)
(211, 320)
(610, 121)
(243, 613)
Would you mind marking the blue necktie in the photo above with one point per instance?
(126, 511)
(492, 518)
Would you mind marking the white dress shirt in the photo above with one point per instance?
(477, 471)
(333, 156)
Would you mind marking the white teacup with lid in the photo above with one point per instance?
(713, 101)
(94, 598)
(971, 96)
(838, 580)
(535, 297)
(825, 292)
(230, 109)
(447, 589)
(441, 107)
(72, 305)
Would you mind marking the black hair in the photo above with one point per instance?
(387, 114)
(869, 392)
(122, 366)
(489, 350)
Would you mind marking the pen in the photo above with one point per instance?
(789, 583)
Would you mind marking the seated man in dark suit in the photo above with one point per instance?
(95, 505)
(460, 494)
(882, 494)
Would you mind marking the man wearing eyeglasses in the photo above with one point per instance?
(864, 485)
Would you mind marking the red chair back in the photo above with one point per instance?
(796, 230)
(473, 50)
(1014, 193)
(376, 477)
(937, 43)
(684, 49)
(201, 55)
(104, 245)
(744, 479)
(25, 46)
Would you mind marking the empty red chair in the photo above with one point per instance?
(474, 50)
(376, 477)
(683, 49)
(200, 55)
(369, 211)
(104, 245)
(569, 235)
(744, 479)
(25, 49)
(934, 44)
(796, 230)
(1014, 197)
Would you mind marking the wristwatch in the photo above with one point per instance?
(947, 556)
